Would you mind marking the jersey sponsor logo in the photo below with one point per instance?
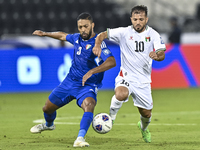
(87, 46)
(147, 39)
(106, 51)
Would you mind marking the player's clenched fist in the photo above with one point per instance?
(97, 51)
(39, 33)
(153, 55)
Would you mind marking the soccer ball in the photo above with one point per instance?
(102, 123)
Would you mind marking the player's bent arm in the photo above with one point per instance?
(100, 37)
(56, 35)
(97, 48)
(106, 65)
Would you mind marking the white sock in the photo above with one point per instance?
(145, 122)
(114, 107)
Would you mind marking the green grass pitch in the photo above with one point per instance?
(174, 126)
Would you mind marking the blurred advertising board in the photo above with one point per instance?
(29, 70)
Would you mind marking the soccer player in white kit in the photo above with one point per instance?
(139, 46)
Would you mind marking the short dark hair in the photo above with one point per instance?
(86, 16)
(137, 9)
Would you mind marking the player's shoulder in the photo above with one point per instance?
(120, 29)
(73, 36)
(151, 31)
(76, 35)
(126, 29)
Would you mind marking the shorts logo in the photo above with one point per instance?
(91, 90)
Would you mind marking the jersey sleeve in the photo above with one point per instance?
(70, 38)
(115, 34)
(158, 43)
(105, 51)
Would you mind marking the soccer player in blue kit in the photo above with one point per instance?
(83, 79)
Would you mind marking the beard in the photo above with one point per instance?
(86, 36)
(138, 29)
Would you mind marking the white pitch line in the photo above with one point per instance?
(159, 124)
(119, 124)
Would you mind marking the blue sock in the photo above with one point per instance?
(85, 123)
(50, 118)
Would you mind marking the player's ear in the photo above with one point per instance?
(147, 19)
(131, 19)
(93, 25)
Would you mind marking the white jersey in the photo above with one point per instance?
(136, 65)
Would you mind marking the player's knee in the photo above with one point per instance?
(121, 93)
(88, 105)
(46, 110)
(121, 96)
(146, 114)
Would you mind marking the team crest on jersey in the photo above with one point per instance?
(88, 46)
(147, 39)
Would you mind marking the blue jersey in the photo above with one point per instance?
(84, 59)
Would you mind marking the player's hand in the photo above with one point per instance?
(39, 33)
(96, 50)
(153, 55)
(86, 76)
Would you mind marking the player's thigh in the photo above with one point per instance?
(142, 97)
(62, 95)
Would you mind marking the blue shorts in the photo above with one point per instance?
(69, 90)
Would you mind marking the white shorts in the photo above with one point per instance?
(141, 93)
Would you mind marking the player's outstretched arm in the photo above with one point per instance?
(56, 35)
(159, 56)
(97, 48)
(106, 65)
